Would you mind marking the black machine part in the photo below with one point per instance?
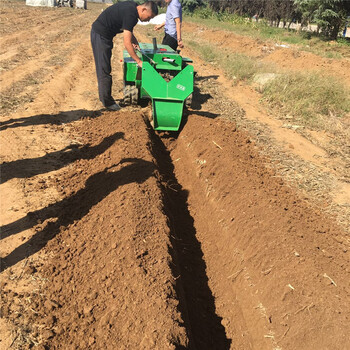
(131, 95)
(155, 48)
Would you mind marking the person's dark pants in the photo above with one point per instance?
(170, 41)
(102, 49)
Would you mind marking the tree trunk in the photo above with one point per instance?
(335, 31)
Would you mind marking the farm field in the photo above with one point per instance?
(231, 234)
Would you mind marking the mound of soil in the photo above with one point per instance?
(108, 282)
(269, 255)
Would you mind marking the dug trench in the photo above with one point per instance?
(264, 254)
(176, 241)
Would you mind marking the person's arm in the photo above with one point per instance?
(135, 42)
(178, 32)
(128, 43)
(159, 26)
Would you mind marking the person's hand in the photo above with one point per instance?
(139, 63)
(157, 27)
(180, 44)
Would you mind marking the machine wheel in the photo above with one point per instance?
(167, 76)
(131, 95)
(188, 101)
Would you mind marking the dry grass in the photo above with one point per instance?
(21, 92)
(310, 99)
(237, 67)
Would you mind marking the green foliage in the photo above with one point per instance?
(329, 15)
(307, 41)
(191, 5)
(206, 12)
(306, 8)
(344, 41)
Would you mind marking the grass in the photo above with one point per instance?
(310, 99)
(236, 66)
(21, 92)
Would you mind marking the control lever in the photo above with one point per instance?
(150, 59)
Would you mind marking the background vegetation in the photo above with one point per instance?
(330, 16)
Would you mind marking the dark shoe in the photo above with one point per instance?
(114, 107)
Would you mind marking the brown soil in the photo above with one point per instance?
(117, 237)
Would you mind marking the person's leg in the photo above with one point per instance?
(102, 49)
(170, 41)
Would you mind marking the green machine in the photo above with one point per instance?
(165, 77)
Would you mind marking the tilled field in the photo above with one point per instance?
(117, 237)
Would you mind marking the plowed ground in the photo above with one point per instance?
(117, 237)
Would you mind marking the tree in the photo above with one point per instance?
(329, 15)
(190, 5)
(272, 10)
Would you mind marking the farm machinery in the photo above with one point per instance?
(165, 77)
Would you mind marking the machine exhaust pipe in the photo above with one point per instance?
(155, 48)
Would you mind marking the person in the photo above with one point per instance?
(172, 25)
(118, 18)
(346, 26)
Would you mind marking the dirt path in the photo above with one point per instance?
(116, 237)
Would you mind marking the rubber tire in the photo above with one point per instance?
(188, 101)
(131, 95)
